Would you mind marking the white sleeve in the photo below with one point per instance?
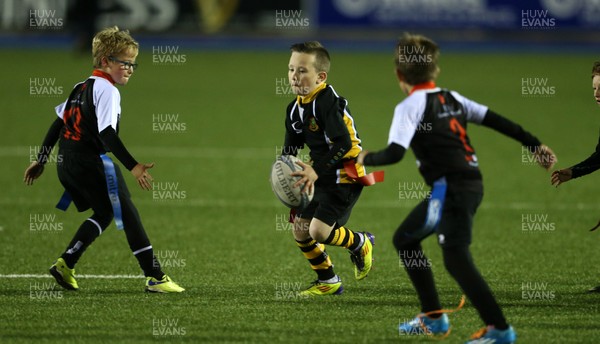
(60, 109)
(407, 116)
(475, 111)
(107, 101)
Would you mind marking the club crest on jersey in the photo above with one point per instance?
(312, 124)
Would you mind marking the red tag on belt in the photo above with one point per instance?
(367, 180)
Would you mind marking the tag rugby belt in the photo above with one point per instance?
(112, 184)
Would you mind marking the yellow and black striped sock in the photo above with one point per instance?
(317, 257)
(344, 237)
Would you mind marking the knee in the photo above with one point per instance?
(318, 233)
(456, 258)
(319, 230)
(402, 242)
(103, 218)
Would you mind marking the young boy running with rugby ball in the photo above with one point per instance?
(320, 119)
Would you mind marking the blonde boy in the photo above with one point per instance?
(87, 128)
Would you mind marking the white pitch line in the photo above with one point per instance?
(78, 276)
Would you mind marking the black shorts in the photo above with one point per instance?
(82, 176)
(332, 203)
(456, 224)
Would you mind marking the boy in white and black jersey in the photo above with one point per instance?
(86, 129)
(432, 121)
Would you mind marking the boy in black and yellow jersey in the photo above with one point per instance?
(320, 119)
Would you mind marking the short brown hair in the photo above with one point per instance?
(596, 69)
(110, 42)
(416, 58)
(322, 59)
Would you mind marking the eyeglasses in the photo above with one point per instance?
(124, 64)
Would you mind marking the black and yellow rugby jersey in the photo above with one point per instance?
(322, 121)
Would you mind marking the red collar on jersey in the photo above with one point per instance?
(104, 75)
(422, 86)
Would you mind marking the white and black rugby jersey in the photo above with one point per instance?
(92, 106)
(433, 122)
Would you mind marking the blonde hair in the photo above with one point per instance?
(110, 42)
(416, 58)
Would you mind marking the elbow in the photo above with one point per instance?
(397, 158)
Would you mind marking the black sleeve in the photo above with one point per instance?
(332, 115)
(588, 165)
(390, 155)
(341, 146)
(114, 143)
(510, 129)
(292, 144)
(50, 140)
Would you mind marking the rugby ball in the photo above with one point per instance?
(282, 183)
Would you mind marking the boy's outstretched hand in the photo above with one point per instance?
(33, 172)
(561, 176)
(545, 157)
(142, 176)
(308, 177)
